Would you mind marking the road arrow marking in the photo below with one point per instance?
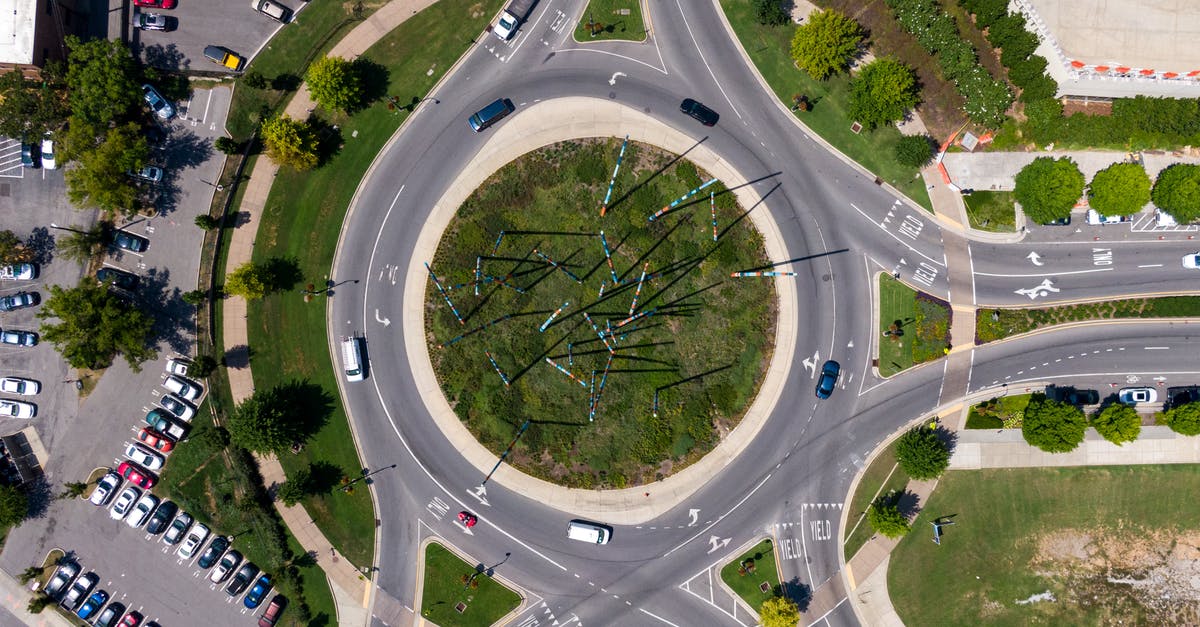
(695, 514)
(718, 543)
(384, 321)
(811, 365)
(613, 80)
(1046, 287)
(1035, 258)
(480, 494)
(466, 529)
(850, 344)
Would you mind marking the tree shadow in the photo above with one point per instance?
(329, 139)
(323, 477)
(172, 315)
(309, 404)
(286, 82)
(908, 504)
(40, 495)
(40, 245)
(237, 356)
(374, 79)
(283, 273)
(167, 57)
(799, 592)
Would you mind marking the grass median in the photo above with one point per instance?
(881, 477)
(753, 571)
(611, 19)
(991, 211)
(458, 594)
(301, 222)
(914, 326)
(993, 324)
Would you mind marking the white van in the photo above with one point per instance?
(587, 532)
(352, 359)
(1162, 218)
(1096, 218)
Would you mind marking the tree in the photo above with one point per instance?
(267, 422)
(102, 178)
(1121, 189)
(296, 487)
(226, 145)
(1048, 188)
(14, 506)
(12, 249)
(39, 602)
(82, 246)
(74, 490)
(770, 13)
(922, 454)
(1118, 423)
(29, 574)
(94, 325)
(254, 79)
(202, 366)
(206, 222)
(335, 84)
(101, 80)
(248, 280)
(32, 107)
(885, 517)
(779, 612)
(1053, 426)
(825, 43)
(914, 151)
(290, 142)
(1183, 419)
(1177, 191)
(882, 92)
(195, 298)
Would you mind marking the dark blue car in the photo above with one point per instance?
(255, 596)
(829, 377)
(93, 604)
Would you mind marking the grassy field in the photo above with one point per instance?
(1068, 531)
(923, 323)
(991, 211)
(446, 579)
(881, 477)
(701, 347)
(1004, 412)
(1014, 321)
(768, 47)
(748, 585)
(611, 21)
(301, 222)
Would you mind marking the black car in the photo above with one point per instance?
(829, 377)
(1073, 396)
(20, 300)
(215, 550)
(128, 241)
(120, 278)
(29, 155)
(162, 516)
(706, 116)
(244, 576)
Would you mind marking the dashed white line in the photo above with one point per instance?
(1152, 265)
(1158, 348)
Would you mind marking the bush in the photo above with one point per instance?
(227, 145)
(882, 92)
(1118, 423)
(914, 151)
(1052, 426)
(254, 79)
(1048, 188)
(922, 454)
(1184, 419)
(290, 142)
(14, 506)
(825, 43)
(770, 13)
(335, 84)
(986, 11)
(206, 222)
(1121, 189)
(1177, 191)
(885, 517)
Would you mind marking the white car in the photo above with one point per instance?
(1095, 217)
(17, 409)
(1133, 396)
(159, 105)
(178, 366)
(182, 388)
(195, 538)
(105, 488)
(22, 387)
(1191, 260)
(176, 407)
(48, 161)
(18, 272)
(144, 457)
(141, 511)
(124, 503)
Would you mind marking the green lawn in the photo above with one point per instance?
(923, 323)
(768, 47)
(1021, 532)
(614, 19)
(301, 222)
(997, 324)
(1004, 412)
(881, 477)
(445, 587)
(748, 585)
(991, 211)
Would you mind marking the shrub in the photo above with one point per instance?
(1118, 423)
(1052, 426)
(914, 151)
(885, 517)
(1183, 419)
(206, 222)
(335, 84)
(825, 43)
(922, 454)
(882, 92)
(770, 13)
(1121, 189)
(1048, 188)
(254, 79)
(290, 142)
(1177, 191)
(226, 145)
(779, 611)
(986, 11)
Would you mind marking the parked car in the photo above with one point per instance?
(244, 576)
(214, 552)
(255, 596)
(1073, 396)
(178, 366)
(108, 617)
(92, 605)
(159, 105)
(124, 503)
(1133, 396)
(183, 388)
(153, 21)
(144, 457)
(151, 173)
(703, 114)
(179, 408)
(829, 377)
(155, 440)
(20, 300)
(63, 576)
(224, 57)
(19, 386)
(29, 155)
(272, 9)
(105, 488)
(274, 609)
(142, 510)
(225, 567)
(1096, 218)
(128, 241)
(161, 517)
(79, 591)
(132, 619)
(18, 272)
(158, 420)
(48, 159)
(194, 540)
(1191, 260)
(179, 527)
(17, 409)
(120, 278)
(16, 337)
(137, 475)
(155, 4)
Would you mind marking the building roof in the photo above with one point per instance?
(17, 26)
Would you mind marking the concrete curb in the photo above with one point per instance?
(737, 598)
(1084, 301)
(1086, 323)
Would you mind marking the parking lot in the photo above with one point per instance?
(232, 24)
(83, 434)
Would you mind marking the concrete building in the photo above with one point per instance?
(36, 30)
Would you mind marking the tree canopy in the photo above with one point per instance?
(825, 43)
(914, 151)
(12, 249)
(1053, 426)
(922, 454)
(1118, 423)
(884, 516)
(248, 280)
(882, 92)
(101, 80)
(102, 178)
(1184, 419)
(14, 506)
(1177, 191)
(290, 142)
(770, 13)
(335, 84)
(32, 107)
(274, 419)
(779, 611)
(1048, 188)
(1121, 189)
(94, 325)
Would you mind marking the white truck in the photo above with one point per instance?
(513, 16)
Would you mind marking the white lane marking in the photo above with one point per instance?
(1043, 274)
(613, 54)
(974, 301)
(705, 61)
(1152, 265)
(719, 518)
(1158, 348)
(896, 237)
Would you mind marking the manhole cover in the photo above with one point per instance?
(5, 190)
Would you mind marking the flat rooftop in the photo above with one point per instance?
(16, 30)
(1162, 35)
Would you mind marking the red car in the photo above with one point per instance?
(467, 519)
(132, 619)
(274, 609)
(156, 440)
(155, 4)
(137, 475)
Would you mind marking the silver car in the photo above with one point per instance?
(194, 541)
(105, 488)
(124, 503)
(141, 511)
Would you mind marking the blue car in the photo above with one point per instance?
(93, 604)
(829, 377)
(254, 597)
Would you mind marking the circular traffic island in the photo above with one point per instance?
(606, 343)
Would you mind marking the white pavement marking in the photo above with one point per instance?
(705, 61)
(897, 238)
(658, 617)
(1158, 348)
(1151, 265)
(1043, 274)
(719, 518)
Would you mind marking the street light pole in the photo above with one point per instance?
(63, 228)
(346, 487)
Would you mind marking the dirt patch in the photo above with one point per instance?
(1087, 107)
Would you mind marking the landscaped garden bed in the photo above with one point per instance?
(993, 324)
(914, 326)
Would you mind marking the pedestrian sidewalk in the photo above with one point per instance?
(16, 599)
(1006, 448)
